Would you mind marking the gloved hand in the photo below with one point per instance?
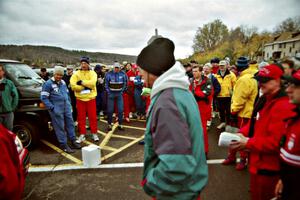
(234, 119)
(79, 82)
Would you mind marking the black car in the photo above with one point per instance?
(31, 117)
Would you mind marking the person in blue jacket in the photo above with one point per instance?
(115, 85)
(55, 96)
(140, 104)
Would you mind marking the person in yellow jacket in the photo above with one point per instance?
(242, 103)
(253, 67)
(83, 83)
(227, 81)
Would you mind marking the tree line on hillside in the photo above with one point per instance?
(47, 56)
(214, 39)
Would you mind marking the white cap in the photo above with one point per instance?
(223, 63)
(116, 64)
(208, 65)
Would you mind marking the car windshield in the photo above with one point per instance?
(23, 74)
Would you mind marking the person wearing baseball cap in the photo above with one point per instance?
(287, 186)
(115, 85)
(262, 136)
(175, 164)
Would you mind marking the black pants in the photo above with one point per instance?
(224, 108)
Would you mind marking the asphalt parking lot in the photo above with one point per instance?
(119, 175)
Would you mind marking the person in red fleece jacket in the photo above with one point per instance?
(288, 186)
(12, 176)
(201, 87)
(264, 133)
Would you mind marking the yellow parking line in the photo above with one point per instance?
(108, 148)
(122, 148)
(61, 152)
(102, 133)
(133, 127)
(108, 136)
(124, 137)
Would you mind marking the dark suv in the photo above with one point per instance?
(31, 117)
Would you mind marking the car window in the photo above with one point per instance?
(22, 74)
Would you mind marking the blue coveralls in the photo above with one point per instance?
(115, 84)
(56, 98)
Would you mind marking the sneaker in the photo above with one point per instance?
(80, 139)
(95, 137)
(229, 161)
(130, 115)
(121, 128)
(127, 119)
(66, 148)
(222, 125)
(75, 145)
(101, 113)
(109, 127)
(241, 165)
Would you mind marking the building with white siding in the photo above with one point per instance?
(282, 45)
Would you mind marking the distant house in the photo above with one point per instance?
(282, 45)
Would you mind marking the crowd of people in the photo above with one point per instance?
(248, 96)
(260, 101)
(72, 96)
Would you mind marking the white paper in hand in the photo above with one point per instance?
(226, 138)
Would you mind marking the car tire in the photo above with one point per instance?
(27, 133)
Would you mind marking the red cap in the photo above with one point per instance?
(269, 72)
(134, 66)
(295, 78)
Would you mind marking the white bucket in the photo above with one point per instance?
(91, 156)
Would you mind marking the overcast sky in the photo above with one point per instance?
(124, 26)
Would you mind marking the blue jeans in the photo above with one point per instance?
(99, 102)
(7, 119)
(111, 96)
(139, 103)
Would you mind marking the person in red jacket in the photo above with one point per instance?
(288, 187)
(264, 133)
(201, 88)
(128, 96)
(12, 176)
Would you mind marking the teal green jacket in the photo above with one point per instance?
(174, 160)
(9, 97)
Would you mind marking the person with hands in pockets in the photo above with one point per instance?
(55, 96)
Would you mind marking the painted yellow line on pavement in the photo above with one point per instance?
(61, 152)
(122, 148)
(118, 136)
(108, 136)
(102, 133)
(108, 148)
(124, 137)
(133, 127)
